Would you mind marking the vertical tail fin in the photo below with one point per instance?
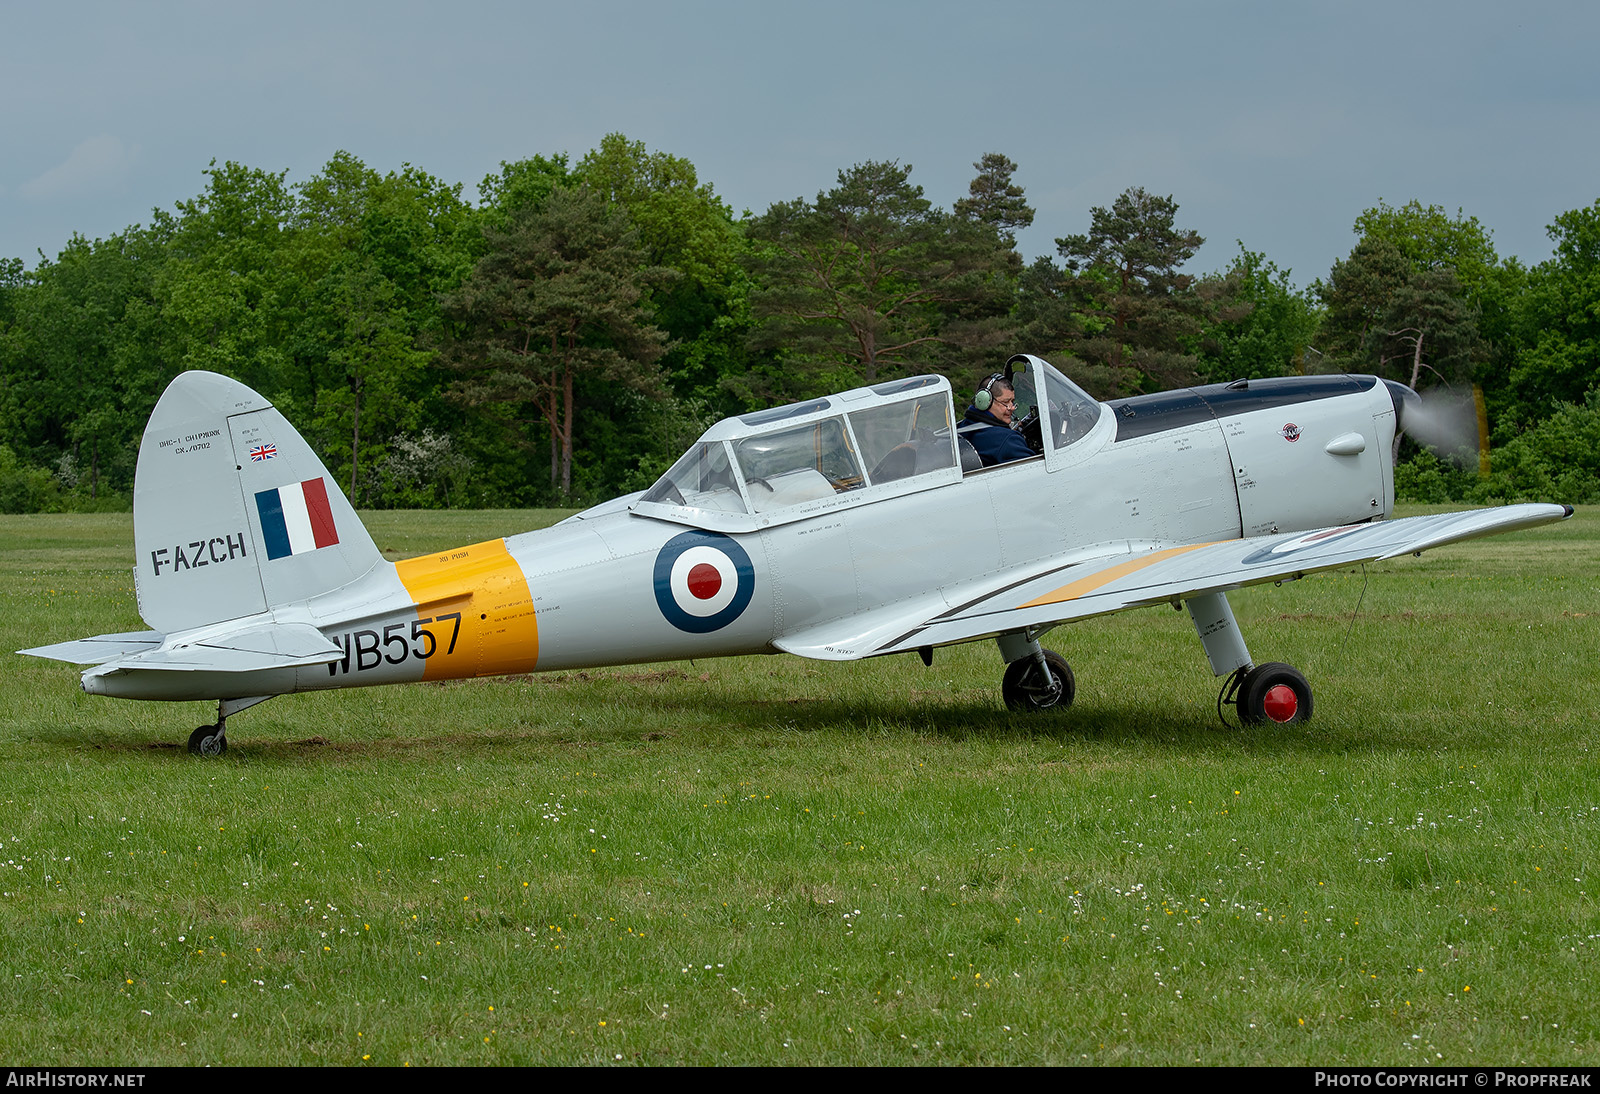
(233, 513)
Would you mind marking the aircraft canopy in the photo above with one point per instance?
(792, 461)
(789, 462)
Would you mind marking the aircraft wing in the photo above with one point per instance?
(260, 646)
(1132, 575)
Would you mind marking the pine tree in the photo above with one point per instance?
(1141, 313)
(995, 200)
(557, 296)
(863, 284)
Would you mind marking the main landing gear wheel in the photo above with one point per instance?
(208, 741)
(1274, 692)
(1026, 688)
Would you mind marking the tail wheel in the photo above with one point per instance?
(1276, 693)
(1026, 688)
(208, 741)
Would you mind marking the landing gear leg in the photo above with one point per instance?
(1274, 692)
(1036, 678)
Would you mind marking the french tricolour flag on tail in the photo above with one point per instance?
(296, 518)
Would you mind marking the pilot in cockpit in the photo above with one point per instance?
(987, 423)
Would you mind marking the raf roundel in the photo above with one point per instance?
(1320, 538)
(704, 581)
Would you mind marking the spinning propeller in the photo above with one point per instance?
(1443, 420)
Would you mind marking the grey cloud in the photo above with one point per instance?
(96, 164)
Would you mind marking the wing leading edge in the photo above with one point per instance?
(1138, 575)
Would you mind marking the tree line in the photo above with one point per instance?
(561, 339)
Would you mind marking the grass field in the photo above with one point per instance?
(770, 860)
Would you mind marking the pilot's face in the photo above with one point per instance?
(1004, 406)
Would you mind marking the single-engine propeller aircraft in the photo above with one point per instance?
(846, 527)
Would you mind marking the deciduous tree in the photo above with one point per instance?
(1429, 238)
(1263, 325)
(684, 226)
(81, 360)
(372, 253)
(520, 185)
(227, 298)
(1558, 320)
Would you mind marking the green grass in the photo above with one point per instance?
(776, 860)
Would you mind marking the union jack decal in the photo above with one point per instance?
(263, 452)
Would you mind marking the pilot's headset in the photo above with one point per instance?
(984, 399)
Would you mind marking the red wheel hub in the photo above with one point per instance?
(1280, 703)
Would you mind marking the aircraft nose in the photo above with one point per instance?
(1402, 397)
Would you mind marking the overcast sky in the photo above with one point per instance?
(1272, 123)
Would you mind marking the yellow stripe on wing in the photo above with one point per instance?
(1086, 585)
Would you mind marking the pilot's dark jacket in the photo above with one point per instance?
(995, 441)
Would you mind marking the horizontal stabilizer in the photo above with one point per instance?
(267, 646)
(99, 649)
